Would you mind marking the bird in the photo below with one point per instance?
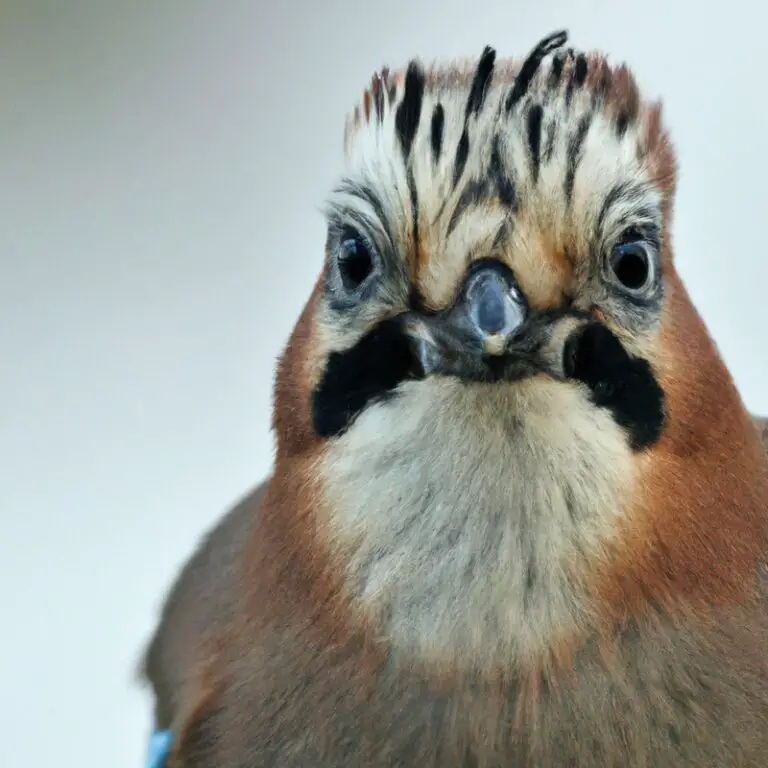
(518, 511)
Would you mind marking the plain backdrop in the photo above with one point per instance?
(161, 169)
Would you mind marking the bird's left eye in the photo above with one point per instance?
(631, 266)
(355, 261)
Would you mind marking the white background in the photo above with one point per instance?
(161, 169)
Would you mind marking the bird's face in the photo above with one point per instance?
(483, 349)
(484, 224)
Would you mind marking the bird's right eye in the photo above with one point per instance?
(631, 265)
(355, 260)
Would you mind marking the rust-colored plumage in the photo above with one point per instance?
(553, 556)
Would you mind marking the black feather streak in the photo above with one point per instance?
(391, 92)
(580, 70)
(531, 65)
(569, 92)
(533, 124)
(378, 98)
(481, 81)
(505, 189)
(549, 146)
(556, 70)
(462, 152)
(409, 111)
(436, 133)
(622, 121)
(574, 155)
(414, 208)
(477, 91)
(472, 193)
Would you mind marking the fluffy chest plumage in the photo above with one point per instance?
(467, 515)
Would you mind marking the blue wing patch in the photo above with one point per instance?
(159, 747)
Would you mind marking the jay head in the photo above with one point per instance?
(508, 422)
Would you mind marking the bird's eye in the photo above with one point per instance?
(631, 265)
(355, 261)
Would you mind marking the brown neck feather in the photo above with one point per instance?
(699, 528)
(291, 419)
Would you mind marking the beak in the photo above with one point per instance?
(489, 313)
(495, 307)
(489, 333)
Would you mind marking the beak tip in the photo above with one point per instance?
(495, 344)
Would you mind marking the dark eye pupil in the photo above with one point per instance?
(355, 263)
(629, 263)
